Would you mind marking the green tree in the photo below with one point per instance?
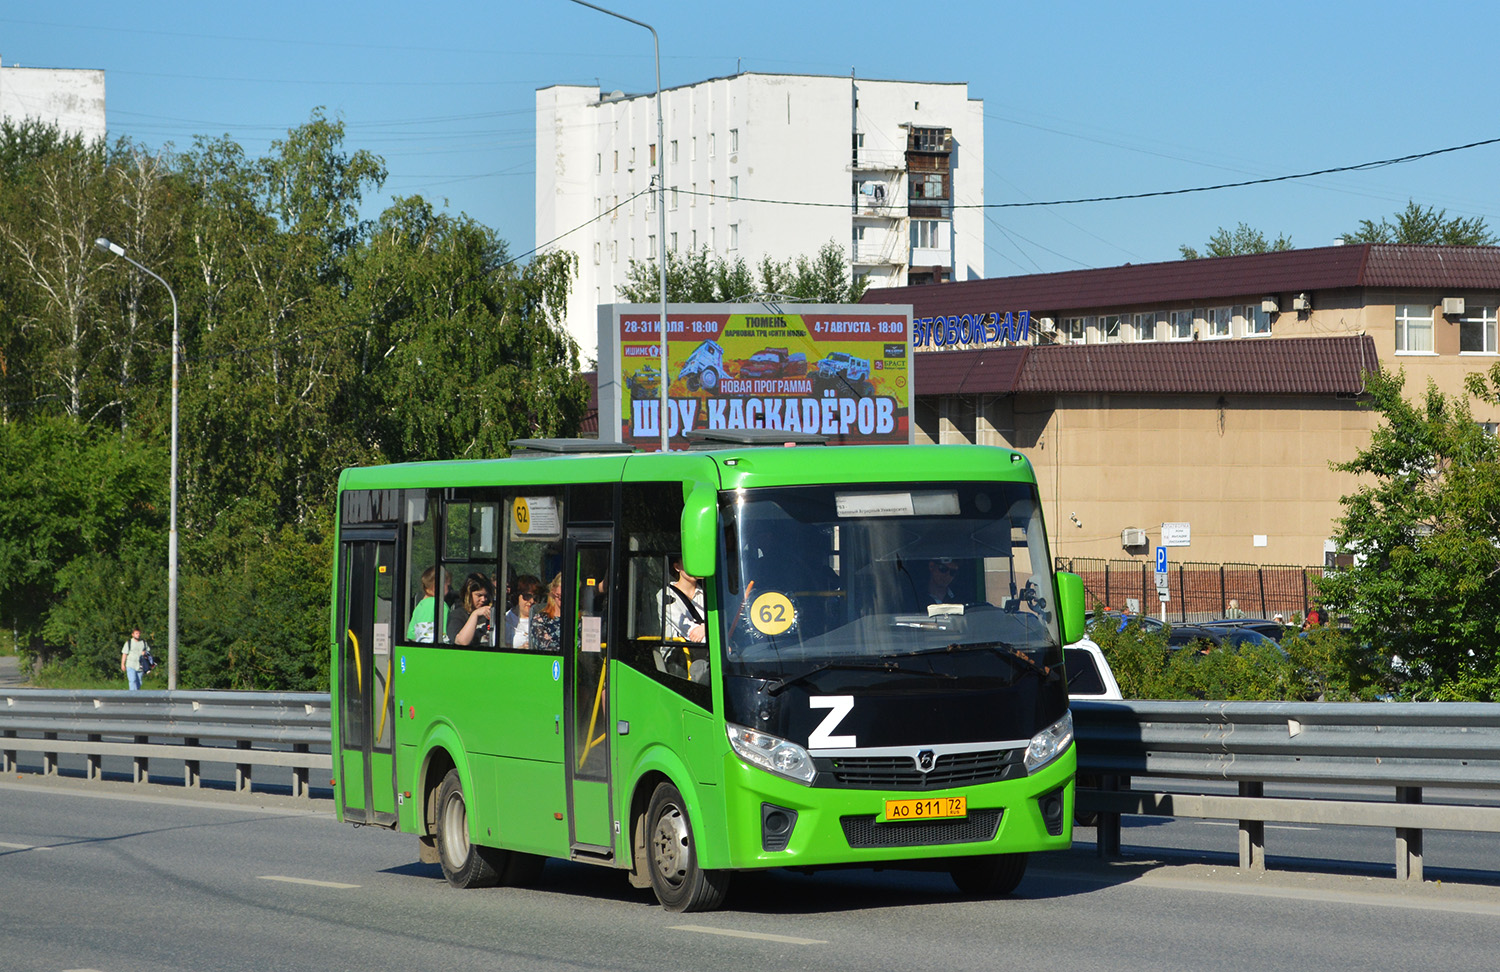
(1243, 239)
(704, 278)
(1425, 586)
(1417, 225)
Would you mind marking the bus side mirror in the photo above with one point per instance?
(700, 531)
(1070, 606)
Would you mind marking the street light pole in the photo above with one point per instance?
(661, 214)
(119, 251)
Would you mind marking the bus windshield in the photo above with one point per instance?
(941, 580)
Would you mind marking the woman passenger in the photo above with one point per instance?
(518, 619)
(546, 629)
(477, 627)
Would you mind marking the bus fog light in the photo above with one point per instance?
(772, 753)
(1050, 743)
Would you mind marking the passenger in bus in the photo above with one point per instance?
(546, 626)
(471, 623)
(518, 619)
(423, 625)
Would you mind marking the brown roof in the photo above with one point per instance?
(986, 371)
(1255, 366)
(1320, 268)
(1284, 366)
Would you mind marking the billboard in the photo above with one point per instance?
(840, 370)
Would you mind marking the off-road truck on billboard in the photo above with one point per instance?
(843, 372)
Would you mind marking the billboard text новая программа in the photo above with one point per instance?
(842, 375)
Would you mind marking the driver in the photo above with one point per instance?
(941, 572)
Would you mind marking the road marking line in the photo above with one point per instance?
(297, 880)
(22, 847)
(732, 933)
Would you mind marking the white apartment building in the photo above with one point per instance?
(71, 99)
(763, 165)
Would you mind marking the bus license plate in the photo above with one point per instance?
(936, 808)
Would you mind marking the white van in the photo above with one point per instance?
(1089, 674)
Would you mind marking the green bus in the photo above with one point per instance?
(871, 671)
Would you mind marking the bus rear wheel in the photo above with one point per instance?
(992, 875)
(465, 865)
(672, 858)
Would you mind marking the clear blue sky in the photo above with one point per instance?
(1081, 99)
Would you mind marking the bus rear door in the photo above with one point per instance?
(364, 761)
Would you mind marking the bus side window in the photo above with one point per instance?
(651, 527)
(419, 607)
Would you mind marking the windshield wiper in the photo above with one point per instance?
(1000, 649)
(780, 685)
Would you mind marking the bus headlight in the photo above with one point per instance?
(1050, 743)
(772, 753)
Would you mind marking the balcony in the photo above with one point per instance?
(879, 160)
(878, 254)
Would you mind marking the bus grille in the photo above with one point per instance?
(865, 831)
(900, 772)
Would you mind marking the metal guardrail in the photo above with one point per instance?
(245, 729)
(1126, 750)
(1403, 746)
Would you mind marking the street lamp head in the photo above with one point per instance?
(105, 246)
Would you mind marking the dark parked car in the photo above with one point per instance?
(1119, 619)
(1219, 637)
(1271, 628)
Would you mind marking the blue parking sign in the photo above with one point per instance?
(1161, 560)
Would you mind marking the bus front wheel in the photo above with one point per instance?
(465, 865)
(679, 883)
(994, 874)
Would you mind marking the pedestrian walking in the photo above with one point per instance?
(130, 658)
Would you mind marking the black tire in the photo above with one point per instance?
(992, 876)
(672, 858)
(692, 382)
(709, 378)
(465, 865)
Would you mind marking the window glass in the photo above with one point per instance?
(1181, 325)
(1476, 331)
(421, 606)
(1413, 327)
(1216, 321)
(532, 567)
(1073, 327)
(1145, 327)
(1109, 327)
(471, 548)
(663, 637)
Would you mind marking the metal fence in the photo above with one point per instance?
(1199, 592)
(1126, 749)
(243, 729)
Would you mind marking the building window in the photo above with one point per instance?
(1180, 325)
(673, 239)
(926, 234)
(713, 238)
(1490, 428)
(614, 251)
(674, 154)
(693, 149)
(674, 199)
(694, 241)
(710, 144)
(693, 195)
(712, 190)
(1414, 327)
(632, 156)
(734, 236)
(927, 186)
(598, 163)
(1072, 328)
(1257, 321)
(1476, 331)
(632, 249)
(596, 254)
(1216, 321)
(651, 247)
(1109, 327)
(653, 153)
(617, 160)
(734, 140)
(734, 187)
(1145, 327)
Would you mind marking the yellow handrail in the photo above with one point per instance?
(359, 671)
(591, 742)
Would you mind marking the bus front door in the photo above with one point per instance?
(586, 608)
(364, 762)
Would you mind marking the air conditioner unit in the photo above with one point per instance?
(1270, 306)
(1046, 325)
(1132, 537)
(1302, 302)
(1453, 306)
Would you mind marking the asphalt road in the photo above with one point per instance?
(118, 878)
